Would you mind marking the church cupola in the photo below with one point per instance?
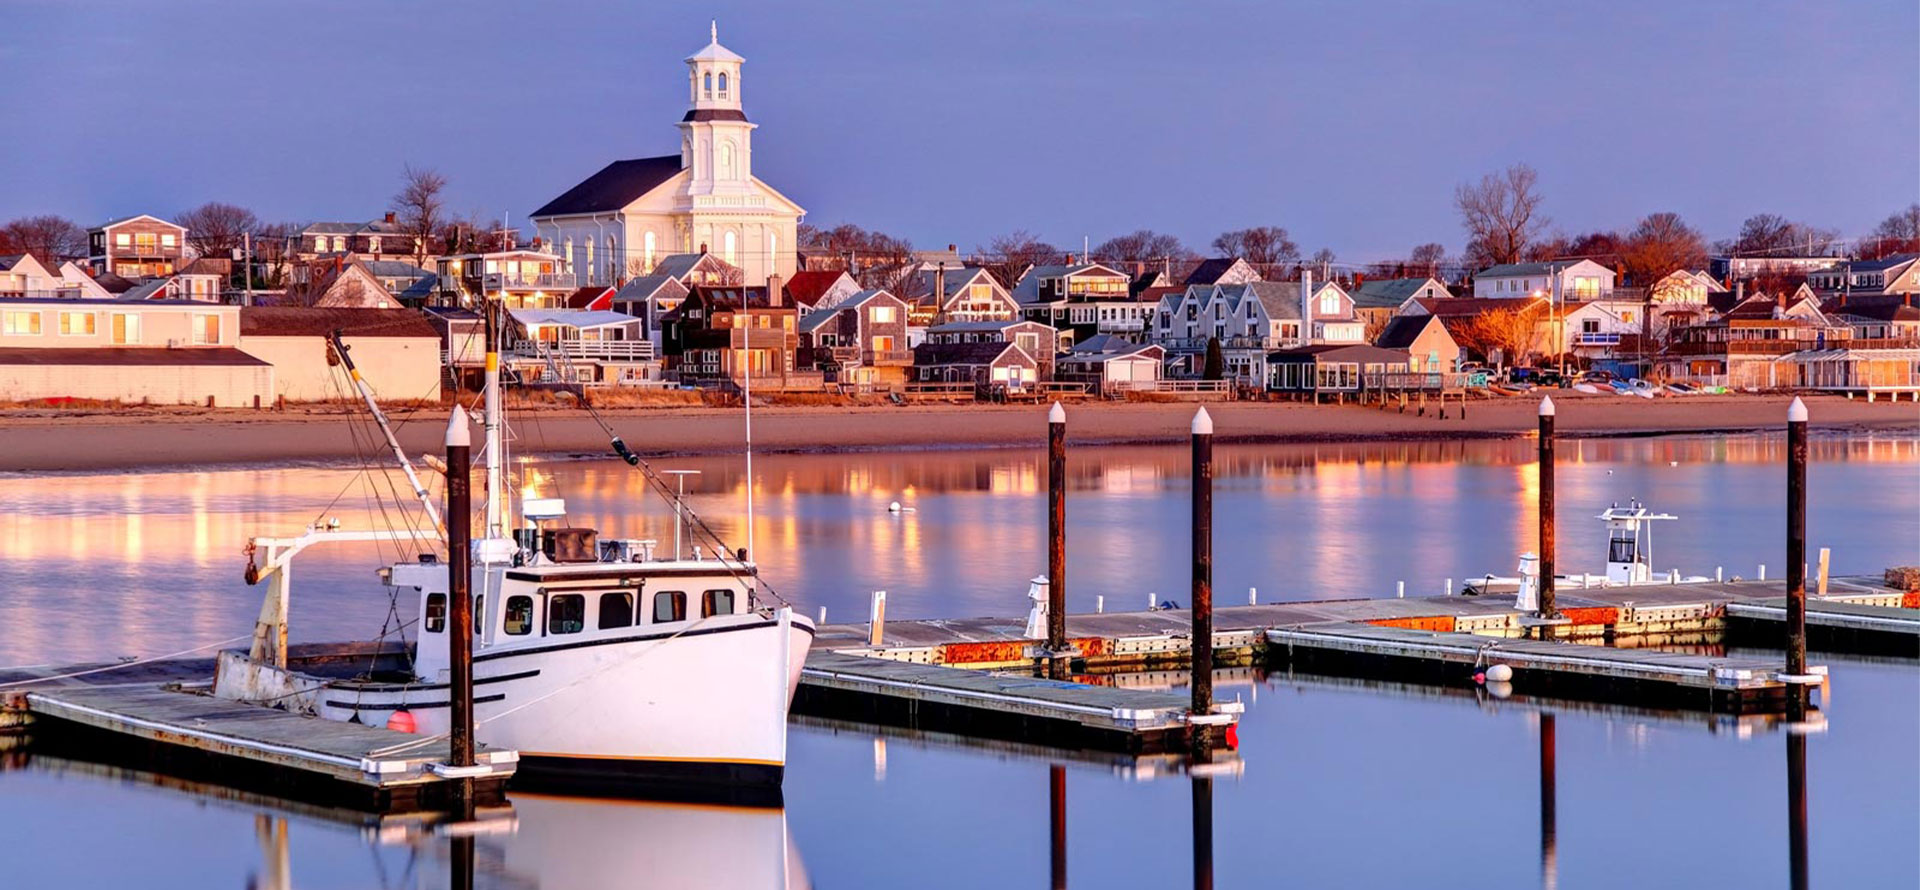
(716, 140)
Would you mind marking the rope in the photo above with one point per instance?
(123, 664)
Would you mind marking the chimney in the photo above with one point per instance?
(1739, 292)
(939, 284)
(775, 297)
(389, 217)
(1306, 307)
(1359, 278)
(703, 248)
(1139, 268)
(953, 248)
(1069, 259)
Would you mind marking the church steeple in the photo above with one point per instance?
(716, 140)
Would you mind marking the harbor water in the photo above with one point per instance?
(1336, 784)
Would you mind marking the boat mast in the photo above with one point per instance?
(380, 417)
(496, 456)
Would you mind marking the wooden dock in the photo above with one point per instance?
(1012, 708)
(194, 735)
(1854, 627)
(1606, 650)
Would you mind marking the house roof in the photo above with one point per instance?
(1873, 308)
(976, 353)
(807, 287)
(131, 217)
(1515, 270)
(1210, 270)
(584, 298)
(1447, 307)
(963, 327)
(1352, 352)
(1403, 330)
(1107, 345)
(1884, 263)
(127, 355)
(395, 269)
(145, 290)
(1388, 293)
(614, 187)
(1150, 279)
(306, 321)
(680, 265)
(573, 318)
(647, 286)
(113, 284)
(11, 260)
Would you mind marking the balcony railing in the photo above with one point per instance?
(1586, 338)
(596, 350)
(543, 281)
(1199, 343)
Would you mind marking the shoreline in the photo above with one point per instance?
(56, 442)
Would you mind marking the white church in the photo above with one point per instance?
(621, 221)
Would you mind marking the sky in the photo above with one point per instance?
(1349, 124)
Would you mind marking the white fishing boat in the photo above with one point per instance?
(1629, 559)
(606, 664)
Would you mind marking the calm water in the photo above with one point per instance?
(1336, 785)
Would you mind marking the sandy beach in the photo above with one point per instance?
(151, 438)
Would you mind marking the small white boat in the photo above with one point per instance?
(1587, 388)
(1629, 559)
(607, 667)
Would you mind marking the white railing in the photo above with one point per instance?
(1585, 338)
(598, 350)
(547, 281)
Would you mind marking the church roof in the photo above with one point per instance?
(713, 51)
(614, 187)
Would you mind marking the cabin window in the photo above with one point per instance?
(436, 613)
(479, 611)
(567, 613)
(616, 610)
(519, 615)
(1620, 550)
(669, 605)
(716, 602)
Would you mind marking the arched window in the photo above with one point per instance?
(723, 84)
(773, 252)
(726, 252)
(647, 261)
(726, 157)
(709, 84)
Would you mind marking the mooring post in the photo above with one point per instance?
(1826, 554)
(877, 618)
(1057, 801)
(1549, 803)
(1797, 557)
(1547, 611)
(1202, 568)
(1202, 831)
(1057, 541)
(460, 602)
(1796, 810)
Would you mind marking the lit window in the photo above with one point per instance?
(716, 602)
(519, 621)
(436, 613)
(567, 613)
(1329, 303)
(727, 250)
(882, 314)
(616, 610)
(206, 330)
(122, 239)
(126, 328)
(669, 605)
(647, 262)
(167, 240)
(72, 323)
(22, 322)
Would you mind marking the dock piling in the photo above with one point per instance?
(1797, 810)
(1797, 555)
(1202, 567)
(1400, 590)
(877, 618)
(1825, 555)
(1547, 610)
(823, 617)
(1057, 807)
(1056, 540)
(1253, 596)
(460, 603)
(1099, 604)
(1549, 803)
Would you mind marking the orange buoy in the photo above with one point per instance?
(402, 721)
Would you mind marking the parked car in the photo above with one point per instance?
(1597, 377)
(1536, 376)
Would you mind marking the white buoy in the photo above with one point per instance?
(1500, 673)
(1099, 604)
(1253, 596)
(1400, 590)
(893, 507)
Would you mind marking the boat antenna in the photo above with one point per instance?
(496, 457)
(366, 394)
(747, 398)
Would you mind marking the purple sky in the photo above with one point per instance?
(1349, 124)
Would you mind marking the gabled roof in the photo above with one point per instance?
(1403, 330)
(681, 265)
(1389, 293)
(113, 284)
(646, 287)
(807, 287)
(585, 297)
(126, 219)
(1884, 263)
(816, 319)
(1151, 278)
(1344, 352)
(305, 321)
(573, 318)
(124, 356)
(1875, 307)
(614, 187)
(1448, 307)
(1210, 270)
(9, 262)
(975, 353)
(1108, 346)
(150, 289)
(977, 327)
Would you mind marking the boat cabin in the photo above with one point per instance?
(1630, 542)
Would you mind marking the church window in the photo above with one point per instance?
(726, 252)
(709, 84)
(723, 84)
(726, 158)
(647, 261)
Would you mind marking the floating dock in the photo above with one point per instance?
(1855, 627)
(1607, 648)
(1011, 708)
(143, 714)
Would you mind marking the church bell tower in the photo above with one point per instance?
(716, 140)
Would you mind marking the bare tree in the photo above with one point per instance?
(1140, 246)
(1260, 245)
(51, 239)
(1501, 213)
(1426, 259)
(1659, 245)
(1322, 262)
(419, 207)
(1510, 329)
(1007, 257)
(1899, 233)
(1764, 234)
(217, 229)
